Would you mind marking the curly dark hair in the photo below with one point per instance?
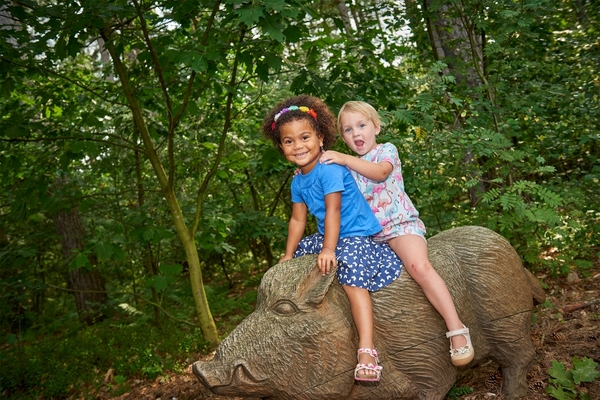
(324, 124)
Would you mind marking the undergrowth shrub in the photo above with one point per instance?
(76, 361)
(73, 362)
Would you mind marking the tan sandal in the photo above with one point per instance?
(368, 367)
(463, 355)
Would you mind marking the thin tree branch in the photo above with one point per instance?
(157, 66)
(188, 90)
(477, 65)
(273, 205)
(74, 82)
(74, 138)
(226, 125)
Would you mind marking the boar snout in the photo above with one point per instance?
(220, 381)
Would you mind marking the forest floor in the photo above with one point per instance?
(558, 334)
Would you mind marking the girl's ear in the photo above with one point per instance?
(377, 129)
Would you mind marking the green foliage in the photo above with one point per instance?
(456, 391)
(121, 385)
(565, 383)
(515, 148)
(74, 361)
(228, 308)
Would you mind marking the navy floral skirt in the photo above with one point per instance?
(362, 262)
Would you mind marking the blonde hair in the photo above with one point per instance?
(361, 107)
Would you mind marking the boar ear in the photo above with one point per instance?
(316, 286)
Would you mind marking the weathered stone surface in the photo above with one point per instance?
(300, 342)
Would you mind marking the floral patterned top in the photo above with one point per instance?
(388, 200)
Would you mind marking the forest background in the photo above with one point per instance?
(139, 204)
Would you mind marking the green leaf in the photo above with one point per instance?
(158, 282)
(277, 5)
(560, 394)
(103, 250)
(247, 59)
(404, 116)
(293, 34)
(272, 27)
(509, 201)
(170, 269)
(250, 14)
(148, 234)
(546, 169)
(228, 248)
(273, 61)
(118, 254)
(81, 260)
(198, 63)
(584, 370)
(7, 87)
(262, 70)
(15, 131)
(163, 233)
(560, 376)
(61, 47)
(73, 46)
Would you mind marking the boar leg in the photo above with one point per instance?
(514, 352)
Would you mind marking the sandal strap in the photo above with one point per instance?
(366, 350)
(370, 367)
(457, 332)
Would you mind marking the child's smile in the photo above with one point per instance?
(301, 144)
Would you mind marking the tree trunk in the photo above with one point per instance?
(148, 259)
(88, 285)
(207, 323)
(344, 15)
(454, 41)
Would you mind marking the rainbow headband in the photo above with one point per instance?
(305, 109)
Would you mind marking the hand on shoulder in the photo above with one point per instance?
(330, 156)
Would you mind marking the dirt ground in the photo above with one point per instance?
(567, 325)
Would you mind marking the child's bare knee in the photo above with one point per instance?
(419, 270)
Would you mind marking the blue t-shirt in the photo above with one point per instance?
(356, 217)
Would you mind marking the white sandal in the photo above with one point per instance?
(368, 367)
(463, 355)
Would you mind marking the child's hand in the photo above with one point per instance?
(326, 261)
(331, 156)
(285, 258)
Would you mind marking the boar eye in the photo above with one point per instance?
(285, 307)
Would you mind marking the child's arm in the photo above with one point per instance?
(295, 230)
(333, 206)
(374, 171)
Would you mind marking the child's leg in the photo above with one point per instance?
(412, 250)
(362, 312)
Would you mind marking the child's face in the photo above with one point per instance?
(301, 144)
(359, 132)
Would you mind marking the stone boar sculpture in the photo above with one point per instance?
(300, 342)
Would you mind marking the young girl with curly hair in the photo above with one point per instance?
(301, 128)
